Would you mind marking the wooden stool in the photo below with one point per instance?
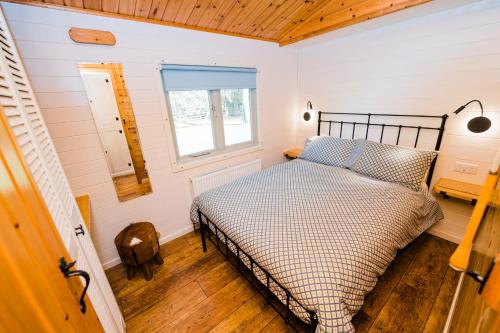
(137, 246)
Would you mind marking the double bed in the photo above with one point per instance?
(314, 237)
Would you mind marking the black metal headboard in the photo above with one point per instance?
(371, 121)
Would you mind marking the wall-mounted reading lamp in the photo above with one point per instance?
(478, 124)
(307, 114)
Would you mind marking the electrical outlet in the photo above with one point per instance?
(467, 168)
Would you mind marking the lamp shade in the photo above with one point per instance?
(479, 124)
(307, 114)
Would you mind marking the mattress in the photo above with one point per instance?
(324, 233)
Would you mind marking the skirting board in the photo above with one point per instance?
(449, 237)
(162, 240)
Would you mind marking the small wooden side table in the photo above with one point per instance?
(138, 246)
(457, 189)
(293, 153)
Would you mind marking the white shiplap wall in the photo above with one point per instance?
(51, 60)
(427, 65)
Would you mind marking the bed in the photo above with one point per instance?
(313, 238)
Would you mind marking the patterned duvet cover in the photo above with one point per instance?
(324, 233)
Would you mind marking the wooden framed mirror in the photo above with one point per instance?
(117, 128)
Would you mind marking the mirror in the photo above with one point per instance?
(115, 122)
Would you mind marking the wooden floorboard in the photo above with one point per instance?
(201, 292)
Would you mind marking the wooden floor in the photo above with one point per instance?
(201, 292)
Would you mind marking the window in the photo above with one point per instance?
(212, 109)
(192, 121)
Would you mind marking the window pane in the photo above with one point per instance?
(192, 121)
(236, 115)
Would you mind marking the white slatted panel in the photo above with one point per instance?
(32, 136)
(25, 119)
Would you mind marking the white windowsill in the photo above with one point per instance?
(178, 167)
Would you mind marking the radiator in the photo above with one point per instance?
(211, 180)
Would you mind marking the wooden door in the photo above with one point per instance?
(31, 133)
(34, 294)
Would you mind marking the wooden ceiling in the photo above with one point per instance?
(281, 21)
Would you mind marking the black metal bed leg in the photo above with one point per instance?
(314, 321)
(287, 316)
(202, 232)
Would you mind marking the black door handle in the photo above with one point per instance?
(65, 269)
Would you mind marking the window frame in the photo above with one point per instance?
(220, 151)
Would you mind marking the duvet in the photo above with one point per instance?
(324, 233)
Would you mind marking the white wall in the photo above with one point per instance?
(429, 64)
(51, 60)
(426, 65)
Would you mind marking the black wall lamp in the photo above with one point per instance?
(478, 124)
(307, 114)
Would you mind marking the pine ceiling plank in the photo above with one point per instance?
(157, 9)
(224, 10)
(185, 10)
(322, 9)
(101, 13)
(269, 26)
(126, 7)
(55, 2)
(210, 12)
(278, 25)
(92, 4)
(171, 10)
(306, 11)
(110, 6)
(286, 21)
(249, 14)
(142, 8)
(319, 24)
(198, 10)
(233, 14)
(74, 3)
(269, 11)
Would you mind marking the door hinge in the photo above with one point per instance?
(79, 230)
(481, 279)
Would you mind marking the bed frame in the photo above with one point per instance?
(369, 123)
(236, 254)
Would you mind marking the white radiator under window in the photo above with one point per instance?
(211, 180)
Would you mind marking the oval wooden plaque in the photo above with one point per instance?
(89, 36)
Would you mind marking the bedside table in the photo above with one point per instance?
(458, 189)
(293, 153)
